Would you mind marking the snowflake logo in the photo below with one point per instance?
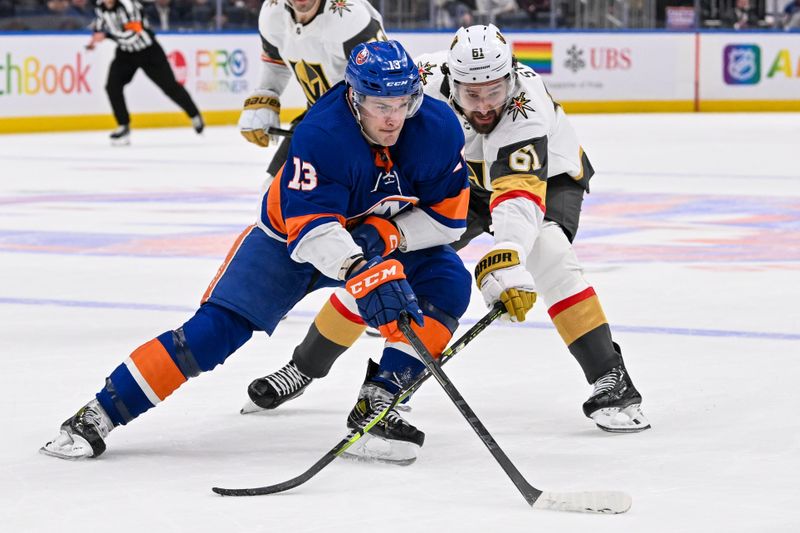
(575, 61)
(339, 6)
(519, 106)
(425, 70)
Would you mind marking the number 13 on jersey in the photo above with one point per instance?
(305, 176)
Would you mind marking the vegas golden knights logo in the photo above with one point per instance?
(476, 173)
(312, 79)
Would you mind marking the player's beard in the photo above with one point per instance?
(484, 122)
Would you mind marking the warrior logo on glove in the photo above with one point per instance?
(501, 277)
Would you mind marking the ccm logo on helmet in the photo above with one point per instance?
(362, 56)
(396, 83)
(367, 283)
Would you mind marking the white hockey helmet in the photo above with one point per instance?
(480, 54)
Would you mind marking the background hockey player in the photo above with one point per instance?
(310, 39)
(527, 182)
(123, 21)
(370, 150)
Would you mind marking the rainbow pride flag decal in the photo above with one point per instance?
(537, 55)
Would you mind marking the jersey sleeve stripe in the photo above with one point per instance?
(516, 194)
(266, 59)
(298, 226)
(454, 207)
(269, 50)
(518, 186)
(445, 221)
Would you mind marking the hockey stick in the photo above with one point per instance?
(611, 502)
(373, 419)
(280, 132)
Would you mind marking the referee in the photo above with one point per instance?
(123, 21)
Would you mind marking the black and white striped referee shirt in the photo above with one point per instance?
(125, 23)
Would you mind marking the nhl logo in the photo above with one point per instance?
(362, 56)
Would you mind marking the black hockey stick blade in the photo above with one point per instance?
(374, 418)
(612, 502)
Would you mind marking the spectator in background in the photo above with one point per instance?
(81, 10)
(741, 16)
(161, 14)
(201, 15)
(237, 14)
(57, 7)
(488, 10)
(58, 11)
(791, 15)
(28, 7)
(6, 8)
(532, 7)
(460, 11)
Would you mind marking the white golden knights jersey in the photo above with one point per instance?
(532, 142)
(316, 53)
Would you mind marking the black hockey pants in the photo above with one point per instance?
(154, 62)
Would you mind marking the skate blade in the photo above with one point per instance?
(250, 408)
(372, 332)
(69, 447)
(121, 142)
(627, 420)
(372, 449)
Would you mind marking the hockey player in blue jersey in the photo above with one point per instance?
(374, 166)
(528, 176)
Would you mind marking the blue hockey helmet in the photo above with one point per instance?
(384, 69)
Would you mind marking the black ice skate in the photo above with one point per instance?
(279, 387)
(615, 404)
(121, 136)
(198, 124)
(82, 436)
(392, 440)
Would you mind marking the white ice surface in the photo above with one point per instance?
(690, 237)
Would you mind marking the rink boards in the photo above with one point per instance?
(49, 82)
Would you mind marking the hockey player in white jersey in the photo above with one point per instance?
(528, 175)
(310, 40)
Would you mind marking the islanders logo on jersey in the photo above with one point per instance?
(425, 70)
(362, 56)
(339, 6)
(519, 106)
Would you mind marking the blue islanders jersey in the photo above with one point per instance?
(333, 178)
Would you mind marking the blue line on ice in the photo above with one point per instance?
(691, 332)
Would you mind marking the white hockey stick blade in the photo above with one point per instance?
(599, 501)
